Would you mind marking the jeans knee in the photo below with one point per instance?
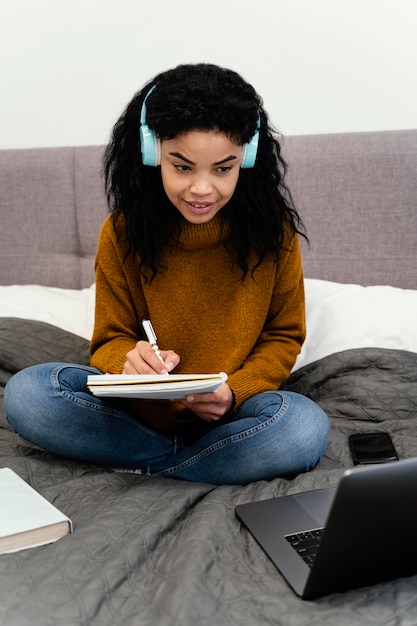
(315, 432)
(27, 398)
(17, 397)
(13, 391)
(304, 431)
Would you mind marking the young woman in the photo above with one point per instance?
(203, 240)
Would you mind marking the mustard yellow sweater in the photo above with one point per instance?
(199, 307)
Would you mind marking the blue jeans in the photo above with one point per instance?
(272, 434)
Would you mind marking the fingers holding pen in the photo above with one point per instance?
(168, 363)
(144, 360)
(170, 359)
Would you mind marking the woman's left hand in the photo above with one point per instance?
(210, 406)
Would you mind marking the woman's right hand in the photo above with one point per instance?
(143, 360)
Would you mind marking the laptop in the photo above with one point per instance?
(360, 533)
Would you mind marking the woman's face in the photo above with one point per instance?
(200, 170)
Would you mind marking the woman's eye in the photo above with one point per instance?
(224, 170)
(181, 168)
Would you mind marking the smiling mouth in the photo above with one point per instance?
(199, 207)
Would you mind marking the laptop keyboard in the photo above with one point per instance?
(306, 543)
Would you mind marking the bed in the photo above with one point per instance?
(162, 552)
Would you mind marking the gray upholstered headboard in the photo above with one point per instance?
(51, 205)
(357, 194)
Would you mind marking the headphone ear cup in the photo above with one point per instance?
(149, 143)
(150, 146)
(250, 151)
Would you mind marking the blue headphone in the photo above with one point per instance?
(149, 143)
(151, 146)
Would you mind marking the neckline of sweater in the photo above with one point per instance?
(206, 235)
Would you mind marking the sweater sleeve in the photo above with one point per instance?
(118, 303)
(274, 354)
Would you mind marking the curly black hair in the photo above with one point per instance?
(199, 97)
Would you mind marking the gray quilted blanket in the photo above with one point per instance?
(150, 552)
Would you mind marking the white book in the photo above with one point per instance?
(27, 519)
(169, 386)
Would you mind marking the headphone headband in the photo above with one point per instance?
(151, 146)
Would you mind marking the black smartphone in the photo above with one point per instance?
(372, 448)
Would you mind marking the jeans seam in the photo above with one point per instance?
(227, 440)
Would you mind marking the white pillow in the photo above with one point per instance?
(342, 317)
(69, 309)
(339, 317)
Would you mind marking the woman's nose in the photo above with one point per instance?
(201, 186)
